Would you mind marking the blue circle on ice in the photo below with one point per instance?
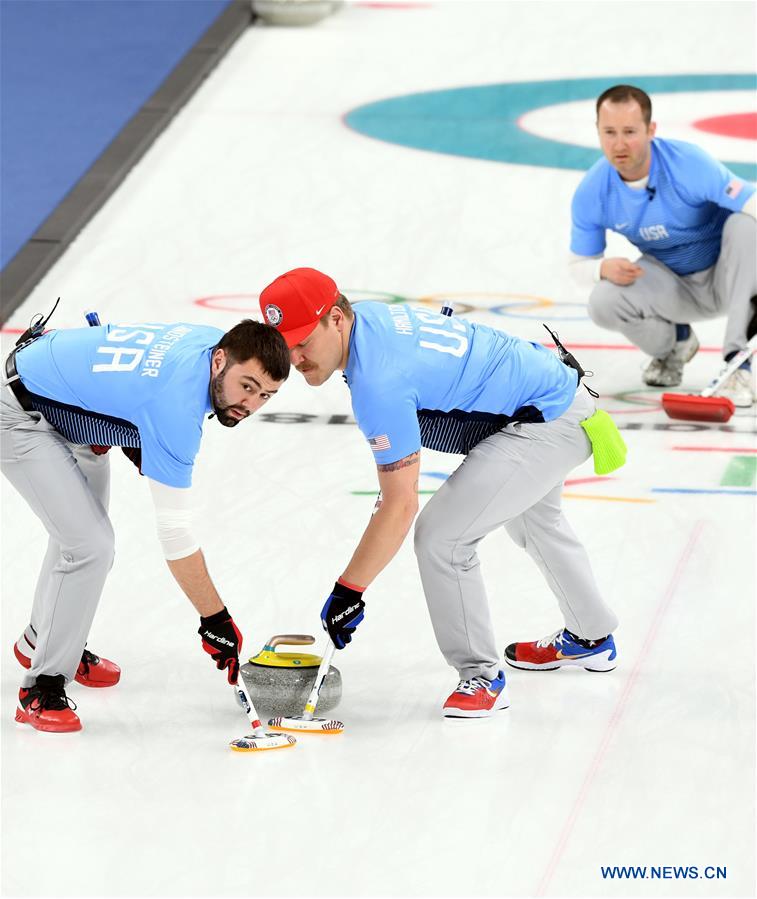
(481, 122)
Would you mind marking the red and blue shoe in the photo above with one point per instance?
(561, 649)
(477, 698)
(46, 707)
(93, 671)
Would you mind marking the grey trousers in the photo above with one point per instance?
(647, 311)
(513, 479)
(67, 488)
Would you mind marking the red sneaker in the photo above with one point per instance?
(92, 671)
(46, 707)
(563, 649)
(477, 698)
(96, 672)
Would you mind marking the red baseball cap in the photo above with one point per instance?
(295, 302)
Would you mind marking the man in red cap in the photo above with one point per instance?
(513, 409)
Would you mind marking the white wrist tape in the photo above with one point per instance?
(173, 517)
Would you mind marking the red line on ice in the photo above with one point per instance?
(617, 714)
(715, 449)
(591, 480)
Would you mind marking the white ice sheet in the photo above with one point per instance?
(650, 765)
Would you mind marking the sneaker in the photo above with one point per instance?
(668, 371)
(560, 649)
(93, 671)
(738, 388)
(46, 707)
(477, 698)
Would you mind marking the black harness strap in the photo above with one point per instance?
(570, 360)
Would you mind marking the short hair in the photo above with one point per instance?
(625, 93)
(344, 304)
(254, 340)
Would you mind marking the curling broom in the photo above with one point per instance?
(258, 739)
(307, 721)
(704, 406)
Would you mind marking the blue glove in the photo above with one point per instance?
(342, 612)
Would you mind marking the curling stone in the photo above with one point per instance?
(292, 12)
(280, 682)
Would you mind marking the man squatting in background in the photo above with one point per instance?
(421, 379)
(147, 388)
(694, 222)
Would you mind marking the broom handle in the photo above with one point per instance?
(737, 360)
(240, 690)
(323, 670)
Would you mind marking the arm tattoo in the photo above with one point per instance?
(412, 459)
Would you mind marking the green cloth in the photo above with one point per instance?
(608, 446)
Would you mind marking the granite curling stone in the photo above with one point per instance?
(280, 682)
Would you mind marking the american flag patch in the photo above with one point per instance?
(734, 188)
(379, 443)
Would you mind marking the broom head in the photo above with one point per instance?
(301, 723)
(688, 407)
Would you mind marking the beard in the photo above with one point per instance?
(221, 407)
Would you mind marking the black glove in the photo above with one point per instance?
(222, 641)
(342, 613)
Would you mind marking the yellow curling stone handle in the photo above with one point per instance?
(272, 659)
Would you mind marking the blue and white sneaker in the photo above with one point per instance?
(477, 698)
(561, 649)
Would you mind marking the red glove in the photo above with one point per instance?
(222, 640)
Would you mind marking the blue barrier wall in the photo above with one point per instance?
(72, 73)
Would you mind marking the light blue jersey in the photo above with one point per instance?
(678, 218)
(143, 385)
(414, 374)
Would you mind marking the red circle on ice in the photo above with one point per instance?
(738, 124)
